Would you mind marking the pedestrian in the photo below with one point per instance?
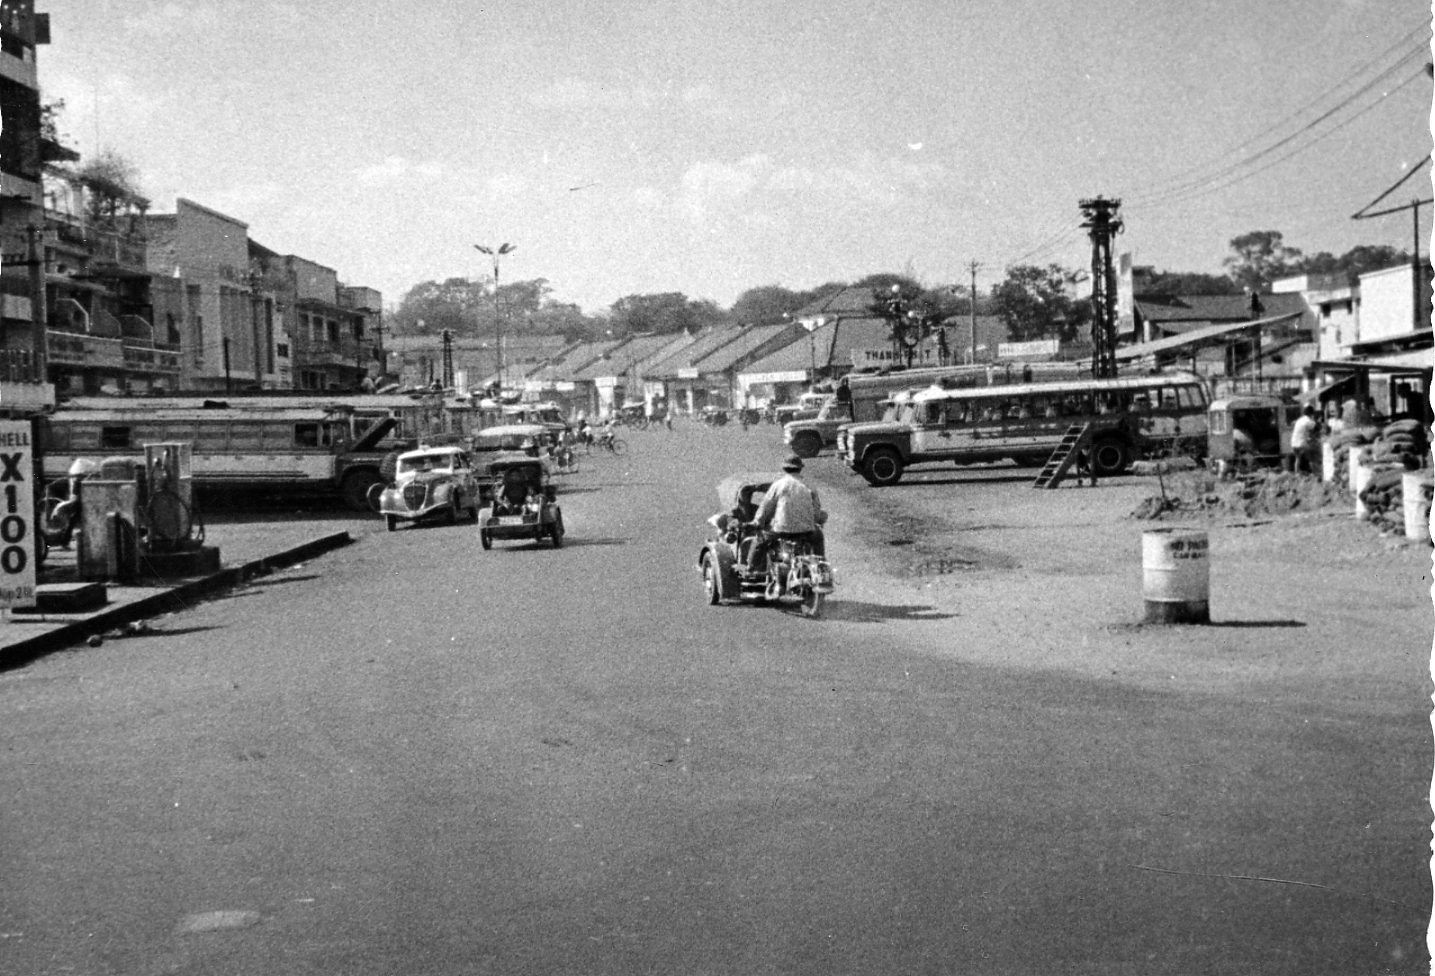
(1305, 441)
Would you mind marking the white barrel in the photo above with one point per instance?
(1176, 570)
(1327, 462)
(1360, 475)
(1352, 461)
(1415, 490)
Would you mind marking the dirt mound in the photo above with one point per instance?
(1258, 493)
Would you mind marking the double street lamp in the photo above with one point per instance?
(497, 315)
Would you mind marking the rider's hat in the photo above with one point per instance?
(793, 464)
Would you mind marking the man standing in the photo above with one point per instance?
(791, 510)
(1305, 441)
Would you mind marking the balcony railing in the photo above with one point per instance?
(20, 366)
(95, 352)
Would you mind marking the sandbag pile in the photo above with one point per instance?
(1342, 442)
(1401, 440)
(1383, 497)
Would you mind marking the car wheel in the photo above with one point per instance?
(882, 467)
(355, 488)
(806, 444)
(1109, 457)
(555, 532)
(712, 586)
(484, 539)
(392, 522)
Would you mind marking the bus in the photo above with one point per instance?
(280, 445)
(1129, 417)
(869, 391)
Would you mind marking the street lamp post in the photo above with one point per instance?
(497, 314)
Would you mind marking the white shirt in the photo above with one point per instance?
(1304, 432)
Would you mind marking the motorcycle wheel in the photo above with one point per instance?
(812, 603)
(711, 584)
(484, 539)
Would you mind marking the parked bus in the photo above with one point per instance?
(869, 391)
(280, 444)
(1129, 418)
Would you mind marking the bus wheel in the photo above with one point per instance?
(882, 467)
(806, 444)
(355, 488)
(1109, 456)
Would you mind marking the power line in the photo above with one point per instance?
(1185, 176)
(1212, 186)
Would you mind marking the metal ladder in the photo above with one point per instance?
(1076, 439)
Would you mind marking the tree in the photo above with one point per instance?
(1150, 282)
(112, 185)
(913, 313)
(1036, 303)
(430, 307)
(1359, 260)
(1260, 257)
(662, 313)
(767, 303)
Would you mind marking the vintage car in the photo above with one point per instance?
(732, 567)
(521, 503)
(429, 483)
(808, 406)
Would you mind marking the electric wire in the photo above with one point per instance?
(1187, 176)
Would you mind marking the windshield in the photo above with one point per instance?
(425, 462)
(833, 410)
(503, 442)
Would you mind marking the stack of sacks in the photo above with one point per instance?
(1405, 441)
(1383, 498)
(1342, 443)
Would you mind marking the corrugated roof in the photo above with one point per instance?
(633, 350)
(752, 338)
(707, 341)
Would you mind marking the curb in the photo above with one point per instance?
(178, 597)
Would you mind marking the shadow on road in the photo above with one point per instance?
(1256, 623)
(169, 632)
(568, 541)
(270, 581)
(856, 611)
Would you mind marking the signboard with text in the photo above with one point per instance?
(17, 515)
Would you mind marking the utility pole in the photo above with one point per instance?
(1417, 272)
(1102, 225)
(972, 349)
(447, 337)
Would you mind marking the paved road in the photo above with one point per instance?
(415, 757)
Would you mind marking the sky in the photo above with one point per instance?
(640, 146)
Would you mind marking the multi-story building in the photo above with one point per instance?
(226, 319)
(330, 342)
(23, 151)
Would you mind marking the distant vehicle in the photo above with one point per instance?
(732, 567)
(1246, 431)
(435, 482)
(869, 392)
(520, 504)
(287, 445)
(1129, 417)
(807, 406)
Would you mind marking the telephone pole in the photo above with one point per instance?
(972, 349)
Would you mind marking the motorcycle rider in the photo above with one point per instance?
(789, 510)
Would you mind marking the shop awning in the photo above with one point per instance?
(1322, 393)
(1198, 337)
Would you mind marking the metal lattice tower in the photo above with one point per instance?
(447, 336)
(1102, 225)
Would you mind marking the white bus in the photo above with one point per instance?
(281, 445)
(1131, 417)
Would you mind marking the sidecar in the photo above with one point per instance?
(521, 503)
(731, 563)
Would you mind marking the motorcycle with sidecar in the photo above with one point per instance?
(732, 563)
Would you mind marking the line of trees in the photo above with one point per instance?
(1035, 301)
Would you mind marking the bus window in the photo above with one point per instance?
(933, 413)
(306, 435)
(114, 438)
(957, 413)
(1191, 397)
(1028, 407)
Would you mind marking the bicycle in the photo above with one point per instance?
(613, 444)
